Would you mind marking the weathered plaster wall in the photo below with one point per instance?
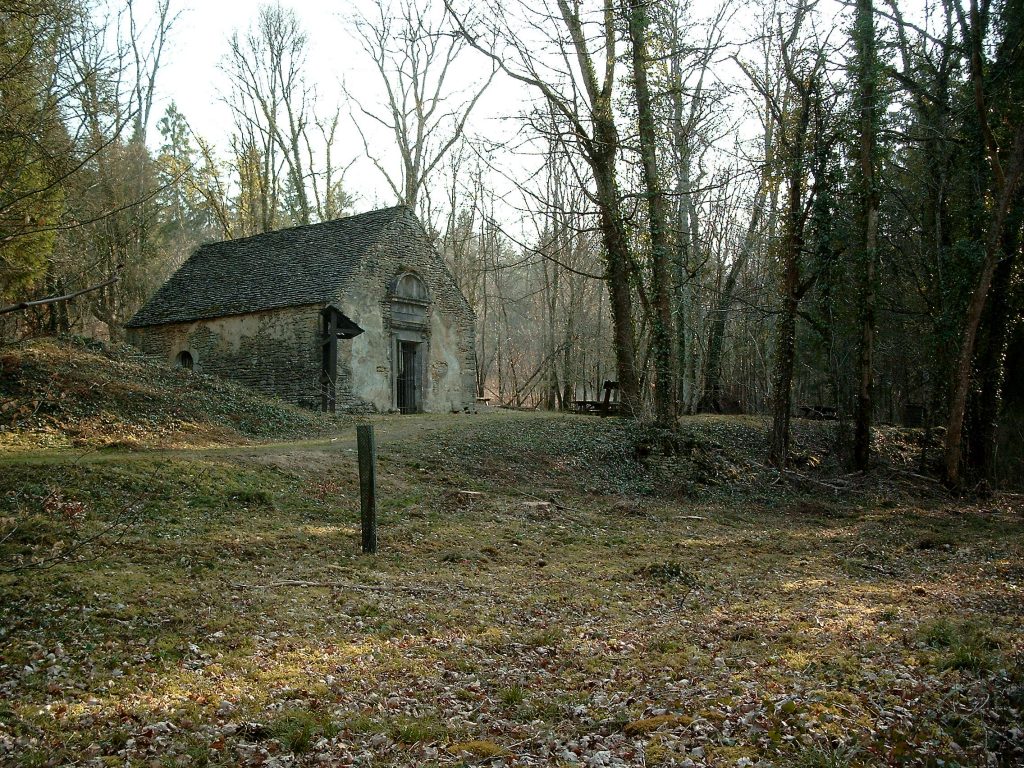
(449, 363)
(365, 358)
(276, 352)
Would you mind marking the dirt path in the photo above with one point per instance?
(389, 429)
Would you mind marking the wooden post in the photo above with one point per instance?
(367, 486)
(329, 372)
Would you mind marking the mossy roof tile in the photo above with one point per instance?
(290, 267)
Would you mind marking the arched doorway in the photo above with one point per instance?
(410, 305)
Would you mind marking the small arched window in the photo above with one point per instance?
(185, 360)
(409, 302)
(409, 286)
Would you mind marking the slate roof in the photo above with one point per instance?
(301, 265)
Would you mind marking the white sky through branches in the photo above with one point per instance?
(191, 77)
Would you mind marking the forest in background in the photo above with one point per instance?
(835, 224)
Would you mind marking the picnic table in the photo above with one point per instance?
(602, 407)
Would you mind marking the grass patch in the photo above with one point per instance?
(299, 729)
(668, 572)
(962, 646)
(419, 730)
(543, 638)
(512, 696)
(823, 756)
(240, 579)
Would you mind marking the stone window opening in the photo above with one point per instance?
(184, 360)
(409, 302)
(409, 286)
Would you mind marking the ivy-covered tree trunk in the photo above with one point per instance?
(785, 333)
(618, 271)
(867, 93)
(657, 209)
(988, 367)
(602, 156)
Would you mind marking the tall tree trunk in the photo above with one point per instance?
(785, 352)
(683, 251)
(953, 448)
(618, 269)
(785, 339)
(711, 399)
(792, 250)
(598, 140)
(867, 67)
(661, 330)
(988, 367)
(1005, 179)
(601, 152)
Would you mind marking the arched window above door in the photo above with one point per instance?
(409, 302)
(409, 286)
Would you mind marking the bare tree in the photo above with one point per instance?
(713, 397)
(801, 116)
(270, 100)
(694, 104)
(276, 152)
(425, 110)
(146, 57)
(577, 82)
(866, 58)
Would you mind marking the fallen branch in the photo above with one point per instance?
(23, 305)
(551, 501)
(873, 567)
(339, 584)
(796, 477)
(898, 472)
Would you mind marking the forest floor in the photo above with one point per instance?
(191, 592)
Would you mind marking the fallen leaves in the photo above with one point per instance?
(734, 625)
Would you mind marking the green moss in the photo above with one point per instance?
(651, 724)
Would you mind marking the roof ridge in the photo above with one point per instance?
(286, 267)
(296, 227)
